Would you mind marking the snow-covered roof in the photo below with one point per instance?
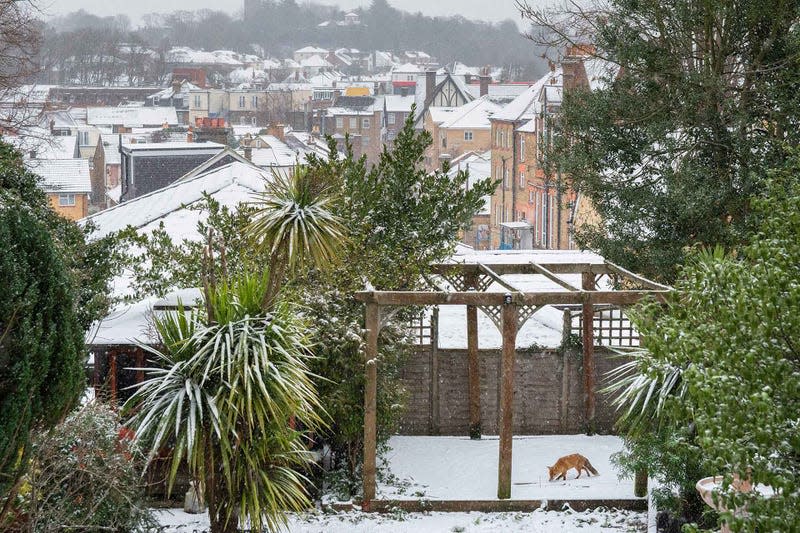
(528, 127)
(314, 61)
(311, 50)
(599, 72)
(131, 323)
(441, 114)
(409, 68)
(131, 117)
(179, 145)
(473, 115)
(186, 55)
(62, 175)
(479, 167)
(230, 185)
(524, 106)
(43, 145)
(396, 103)
(269, 151)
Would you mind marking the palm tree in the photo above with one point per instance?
(294, 224)
(222, 400)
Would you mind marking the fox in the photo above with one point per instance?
(576, 461)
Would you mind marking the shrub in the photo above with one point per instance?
(85, 475)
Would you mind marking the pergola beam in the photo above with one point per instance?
(497, 298)
(616, 269)
(522, 268)
(497, 279)
(552, 277)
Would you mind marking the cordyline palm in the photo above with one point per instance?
(222, 400)
(295, 226)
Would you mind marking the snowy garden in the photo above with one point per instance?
(250, 342)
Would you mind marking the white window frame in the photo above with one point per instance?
(390, 119)
(353, 123)
(83, 138)
(521, 180)
(365, 123)
(242, 102)
(468, 135)
(66, 200)
(254, 101)
(522, 147)
(339, 123)
(197, 101)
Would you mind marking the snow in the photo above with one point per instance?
(131, 323)
(473, 115)
(131, 116)
(479, 166)
(62, 175)
(539, 521)
(230, 185)
(524, 106)
(458, 468)
(495, 257)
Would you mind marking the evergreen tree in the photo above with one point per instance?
(41, 338)
(672, 150)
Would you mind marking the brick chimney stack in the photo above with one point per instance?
(430, 84)
(484, 84)
(190, 135)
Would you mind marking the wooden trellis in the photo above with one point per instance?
(508, 310)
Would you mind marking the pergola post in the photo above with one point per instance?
(588, 284)
(473, 365)
(509, 314)
(370, 403)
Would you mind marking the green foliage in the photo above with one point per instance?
(86, 476)
(160, 265)
(41, 338)
(401, 217)
(731, 329)
(223, 398)
(91, 263)
(672, 151)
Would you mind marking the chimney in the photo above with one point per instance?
(190, 135)
(176, 86)
(276, 130)
(52, 125)
(430, 84)
(247, 144)
(484, 84)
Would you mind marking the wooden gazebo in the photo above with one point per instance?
(467, 284)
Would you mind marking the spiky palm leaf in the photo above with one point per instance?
(294, 220)
(642, 393)
(225, 394)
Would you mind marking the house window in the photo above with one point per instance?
(467, 135)
(254, 101)
(339, 123)
(83, 138)
(66, 200)
(197, 100)
(241, 102)
(505, 178)
(444, 141)
(390, 118)
(522, 147)
(365, 123)
(253, 121)
(521, 180)
(353, 123)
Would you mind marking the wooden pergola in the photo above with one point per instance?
(508, 310)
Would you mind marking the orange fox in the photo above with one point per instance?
(576, 461)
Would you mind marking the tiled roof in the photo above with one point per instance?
(62, 175)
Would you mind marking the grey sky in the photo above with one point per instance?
(492, 10)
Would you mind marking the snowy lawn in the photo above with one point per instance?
(457, 468)
(176, 521)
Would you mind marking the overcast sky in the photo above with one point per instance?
(492, 10)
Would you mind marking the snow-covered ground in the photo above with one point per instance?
(601, 521)
(457, 468)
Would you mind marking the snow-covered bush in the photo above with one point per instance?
(86, 475)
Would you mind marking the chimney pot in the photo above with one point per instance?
(484, 85)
